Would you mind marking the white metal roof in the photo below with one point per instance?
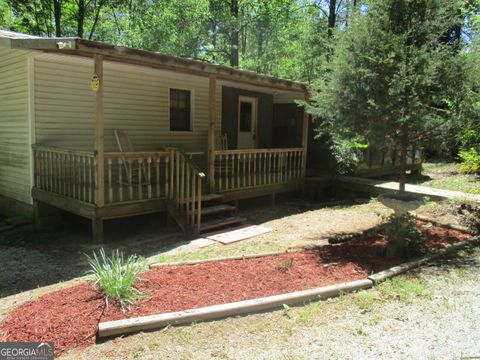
(16, 35)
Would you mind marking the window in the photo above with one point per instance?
(246, 116)
(180, 110)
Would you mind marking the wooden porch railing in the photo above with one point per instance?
(185, 189)
(69, 173)
(169, 174)
(128, 177)
(239, 169)
(136, 176)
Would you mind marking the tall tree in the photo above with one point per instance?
(57, 9)
(235, 41)
(81, 10)
(332, 16)
(392, 80)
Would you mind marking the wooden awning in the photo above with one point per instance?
(82, 47)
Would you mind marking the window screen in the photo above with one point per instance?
(180, 110)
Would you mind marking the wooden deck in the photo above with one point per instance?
(238, 170)
(137, 183)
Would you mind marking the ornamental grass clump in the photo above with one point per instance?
(117, 275)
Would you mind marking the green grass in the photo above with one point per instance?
(187, 334)
(404, 289)
(365, 300)
(310, 311)
(439, 168)
(446, 176)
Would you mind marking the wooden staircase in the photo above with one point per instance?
(217, 215)
(214, 215)
(194, 211)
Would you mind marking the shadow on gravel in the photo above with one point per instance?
(466, 259)
(32, 258)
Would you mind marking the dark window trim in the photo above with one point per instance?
(190, 108)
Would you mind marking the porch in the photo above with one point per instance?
(93, 181)
(122, 184)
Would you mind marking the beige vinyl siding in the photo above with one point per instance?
(64, 103)
(135, 100)
(15, 176)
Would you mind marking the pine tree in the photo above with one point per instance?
(394, 79)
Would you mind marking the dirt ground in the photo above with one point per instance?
(294, 224)
(33, 258)
(36, 258)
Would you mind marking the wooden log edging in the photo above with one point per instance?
(152, 322)
(125, 326)
(399, 269)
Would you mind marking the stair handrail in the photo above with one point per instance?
(185, 188)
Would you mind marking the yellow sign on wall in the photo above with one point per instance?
(95, 84)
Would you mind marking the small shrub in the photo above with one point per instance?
(470, 217)
(117, 275)
(284, 265)
(470, 161)
(403, 230)
(347, 155)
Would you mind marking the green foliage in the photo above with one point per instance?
(117, 275)
(403, 229)
(278, 37)
(394, 78)
(347, 155)
(470, 161)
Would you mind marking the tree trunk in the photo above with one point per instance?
(403, 166)
(97, 15)
(57, 11)
(235, 34)
(332, 17)
(80, 18)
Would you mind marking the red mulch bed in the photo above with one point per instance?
(70, 317)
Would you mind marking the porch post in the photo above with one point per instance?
(99, 130)
(305, 136)
(97, 223)
(212, 119)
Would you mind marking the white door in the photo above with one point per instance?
(247, 122)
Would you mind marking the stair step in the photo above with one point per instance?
(216, 209)
(211, 197)
(215, 224)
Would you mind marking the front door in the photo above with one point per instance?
(247, 122)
